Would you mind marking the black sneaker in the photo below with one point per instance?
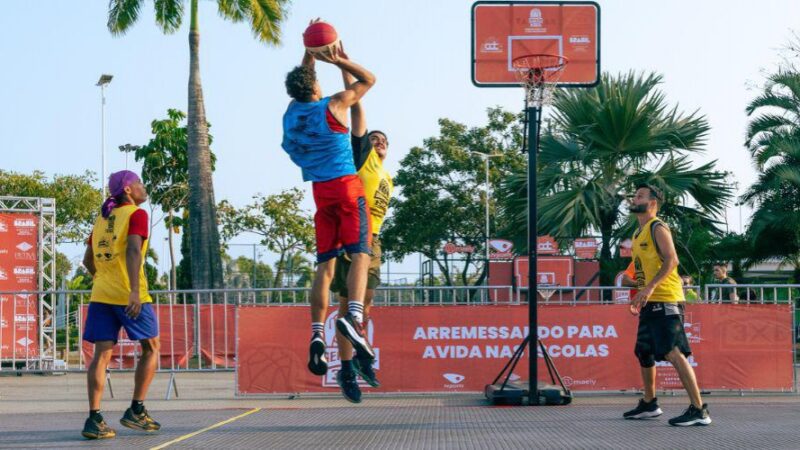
(97, 430)
(347, 381)
(644, 410)
(141, 422)
(363, 367)
(354, 332)
(317, 362)
(692, 416)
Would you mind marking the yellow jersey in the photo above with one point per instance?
(109, 243)
(648, 262)
(378, 188)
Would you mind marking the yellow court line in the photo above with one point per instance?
(216, 425)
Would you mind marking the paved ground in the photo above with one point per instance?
(47, 412)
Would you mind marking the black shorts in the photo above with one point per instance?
(660, 331)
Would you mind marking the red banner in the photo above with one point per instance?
(176, 330)
(462, 348)
(19, 314)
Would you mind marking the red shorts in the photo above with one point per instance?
(342, 221)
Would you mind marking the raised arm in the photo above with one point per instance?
(359, 125)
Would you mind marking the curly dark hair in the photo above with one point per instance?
(300, 83)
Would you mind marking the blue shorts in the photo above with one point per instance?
(103, 322)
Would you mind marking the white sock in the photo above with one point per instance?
(356, 309)
(317, 328)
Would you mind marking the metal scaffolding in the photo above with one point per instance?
(45, 209)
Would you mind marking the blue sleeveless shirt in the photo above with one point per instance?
(320, 153)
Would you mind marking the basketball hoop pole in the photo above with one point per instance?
(534, 113)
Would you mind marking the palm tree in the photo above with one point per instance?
(264, 17)
(773, 138)
(601, 142)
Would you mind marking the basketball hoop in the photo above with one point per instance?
(539, 74)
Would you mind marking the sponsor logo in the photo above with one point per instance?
(24, 256)
(3, 274)
(24, 223)
(3, 226)
(500, 249)
(491, 45)
(24, 270)
(569, 382)
(25, 342)
(455, 380)
(535, 18)
(580, 40)
(24, 246)
(24, 318)
(3, 323)
(454, 377)
(546, 245)
(451, 248)
(3, 251)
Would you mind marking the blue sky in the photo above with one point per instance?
(711, 53)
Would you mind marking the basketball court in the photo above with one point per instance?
(536, 46)
(207, 416)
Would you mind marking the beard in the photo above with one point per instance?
(637, 209)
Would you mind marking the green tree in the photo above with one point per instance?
(77, 199)
(442, 192)
(283, 226)
(600, 143)
(165, 172)
(264, 18)
(298, 268)
(239, 273)
(773, 138)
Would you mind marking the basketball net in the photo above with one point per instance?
(539, 75)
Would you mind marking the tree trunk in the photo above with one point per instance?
(173, 273)
(206, 258)
(606, 259)
(278, 270)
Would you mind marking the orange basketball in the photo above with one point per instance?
(320, 36)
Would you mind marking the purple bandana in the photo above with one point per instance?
(117, 183)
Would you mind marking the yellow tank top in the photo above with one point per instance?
(109, 242)
(648, 263)
(378, 188)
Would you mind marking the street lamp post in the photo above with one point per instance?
(102, 82)
(486, 157)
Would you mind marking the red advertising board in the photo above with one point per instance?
(586, 248)
(19, 314)
(462, 348)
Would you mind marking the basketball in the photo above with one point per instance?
(319, 37)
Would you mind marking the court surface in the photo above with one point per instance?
(207, 416)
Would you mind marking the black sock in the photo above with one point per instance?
(137, 406)
(347, 366)
(95, 415)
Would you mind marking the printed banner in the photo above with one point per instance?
(19, 314)
(462, 348)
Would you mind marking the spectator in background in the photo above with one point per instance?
(723, 294)
(688, 290)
